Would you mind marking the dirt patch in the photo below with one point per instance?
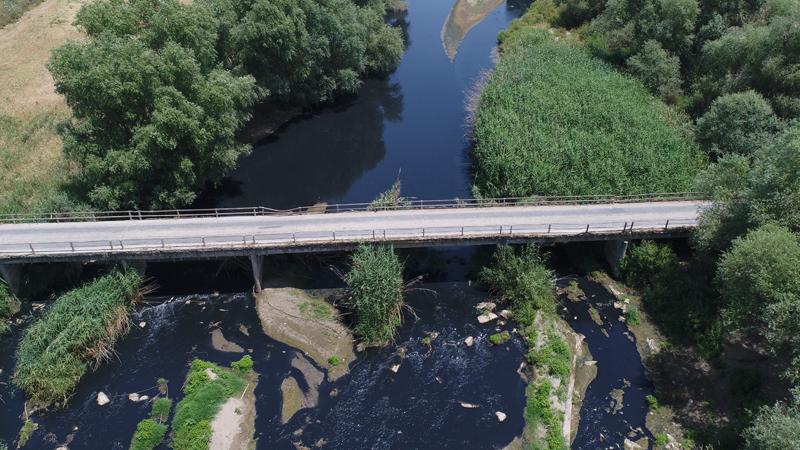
(219, 342)
(293, 397)
(320, 336)
(235, 424)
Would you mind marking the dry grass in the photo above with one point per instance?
(31, 162)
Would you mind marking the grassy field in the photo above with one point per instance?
(31, 163)
(553, 120)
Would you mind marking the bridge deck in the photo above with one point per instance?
(223, 236)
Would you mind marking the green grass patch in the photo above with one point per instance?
(554, 120)
(149, 433)
(9, 305)
(78, 331)
(334, 360)
(538, 412)
(161, 408)
(554, 356)
(26, 432)
(661, 439)
(500, 338)
(376, 287)
(632, 316)
(202, 399)
(316, 309)
(652, 402)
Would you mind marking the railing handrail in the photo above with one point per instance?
(323, 208)
(323, 237)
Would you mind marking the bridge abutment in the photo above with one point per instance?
(257, 264)
(615, 251)
(12, 275)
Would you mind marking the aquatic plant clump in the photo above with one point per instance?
(149, 434)
(76, 333)
(207, 387)
(376, 287)
(553, 120)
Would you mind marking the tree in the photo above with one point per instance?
(658, 70)
(774, 193)
(737, 123)
(154, 117)
(759, 270)
(761, 56)
(307, 51)
(775, 427)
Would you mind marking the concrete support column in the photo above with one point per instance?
(12, 275)
(140, 266)
(257, 264)
(615, 252)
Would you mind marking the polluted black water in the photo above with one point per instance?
(614, 407)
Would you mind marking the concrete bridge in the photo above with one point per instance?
(135, 237)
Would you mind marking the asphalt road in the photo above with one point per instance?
(128, 235)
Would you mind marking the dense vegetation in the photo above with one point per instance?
(203, 397)
(160, 89)
(9, 305)
(521, 280)
(553, 120)
(150, 432)
(77, 332)
(376, 288)
(11, 10)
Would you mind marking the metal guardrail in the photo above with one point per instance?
(232, 242)
(92, 216)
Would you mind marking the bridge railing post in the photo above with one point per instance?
(666, 225)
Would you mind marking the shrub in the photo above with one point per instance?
(500, 338)
(554, 356)
(645, 261)
(738, 123)
(658, 70)
(774, 428)
(26, 432)
(161, 408)
(334, 360)
(244, 365)
(661, 439)
(632, 316)
(551, 109)
(652, 402)
(390, 199)
(538, 413)
(521, 279)
(148, 435)
(201, 402)
(376, 287)
(78, 331)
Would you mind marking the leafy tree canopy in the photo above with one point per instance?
(738, 123)
(155, 117)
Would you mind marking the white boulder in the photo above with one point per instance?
(469, 341)
(102, 399)
(501, 416)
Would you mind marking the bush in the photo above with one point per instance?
(500, 338)
(244, 365)
(9, 305)
(201, 402)
(652, 402)
(521, 279)
(26, 432)
(661, 439)
(658, 70)
(645, 261)
(148, 435)
(774, 428)
(551, 109)
(554, 356)
(738, 123)
(334, 360)
(632, 316)
(376, 287)
(757, 271)
(78, 331)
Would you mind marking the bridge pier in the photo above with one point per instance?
(257, 264)
(139, 266)
(12, 275)
(615, 251)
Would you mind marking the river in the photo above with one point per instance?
(410, 125)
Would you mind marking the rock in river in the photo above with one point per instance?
(487, 317)
(102, 399)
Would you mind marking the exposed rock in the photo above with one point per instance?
(211, 374)
(144, 398)
(134, 397)
(142, 324)
(630, 445)
(469, 341)
(487, 317)
(102, 399)
(501, 416)
(506, 314)
(219, 342)
(468, 405)
(320, 336)
(589, 363)
(485, 306)
(395, 368)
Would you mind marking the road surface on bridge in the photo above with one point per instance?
(182, 234)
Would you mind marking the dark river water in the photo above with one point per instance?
(410, 124)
